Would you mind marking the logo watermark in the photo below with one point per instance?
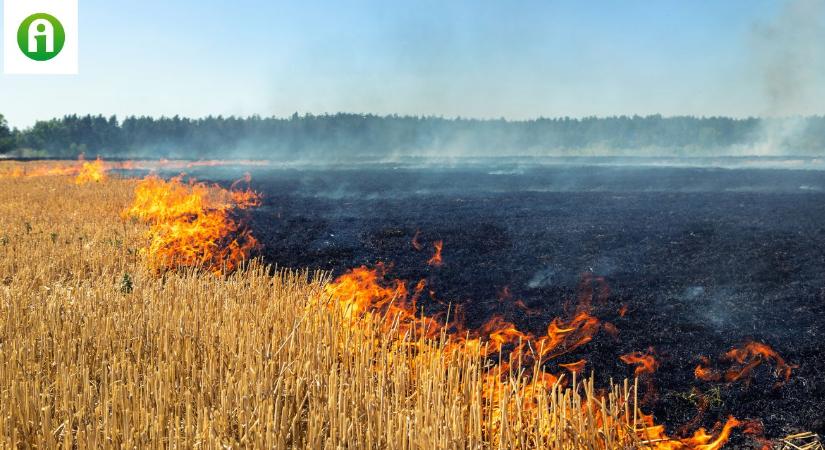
(40, 36)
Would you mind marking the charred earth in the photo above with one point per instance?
(698, 260)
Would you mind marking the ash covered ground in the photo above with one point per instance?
(704, 258)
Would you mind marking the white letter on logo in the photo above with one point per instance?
(41, 27)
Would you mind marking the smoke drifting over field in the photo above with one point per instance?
(789, 53)
(782, 65)
(348, 138)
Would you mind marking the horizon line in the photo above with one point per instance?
(310, 115)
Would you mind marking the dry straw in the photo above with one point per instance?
(97, 351)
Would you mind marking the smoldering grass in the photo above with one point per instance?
(252, 359)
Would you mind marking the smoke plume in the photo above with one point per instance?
(790, 59)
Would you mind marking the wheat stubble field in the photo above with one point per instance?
(100, 348)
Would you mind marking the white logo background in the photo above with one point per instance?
(14, 12)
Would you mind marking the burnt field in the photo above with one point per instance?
(697, 260)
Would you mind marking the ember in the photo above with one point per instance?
(436, 258)
(415, 242)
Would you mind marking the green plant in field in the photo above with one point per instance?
(714, 396)
(711, 398)
(126, 285)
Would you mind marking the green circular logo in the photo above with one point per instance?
(41, 37)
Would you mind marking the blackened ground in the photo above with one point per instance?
(704, 259)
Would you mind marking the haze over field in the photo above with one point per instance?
(736, 59)
(363, 138)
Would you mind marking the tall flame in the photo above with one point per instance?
(192, 224)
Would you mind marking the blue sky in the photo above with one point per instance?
(513, 59)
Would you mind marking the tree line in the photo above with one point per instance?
(365, 136)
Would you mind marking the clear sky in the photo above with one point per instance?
(513, 59)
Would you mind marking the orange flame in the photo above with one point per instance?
(501, 333)
(436, 258)
(51, 170)
(704, 372)
(756, 430)
(416, 244)
(655, 437)
(365, 292)
(575, 367)
(84, 171)
(751, 355)
(743, 361)
(91, 172)
(191, 224)
(64, 168)
(645, 363)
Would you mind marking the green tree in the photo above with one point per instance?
(6, 137)
(345, 136)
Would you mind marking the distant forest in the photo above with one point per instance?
(344, 136)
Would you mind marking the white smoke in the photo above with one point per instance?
(790, 59)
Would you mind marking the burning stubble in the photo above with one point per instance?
(252, 359)
(322, 344)
(193, 224)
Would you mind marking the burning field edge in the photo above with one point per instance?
(131, 313)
